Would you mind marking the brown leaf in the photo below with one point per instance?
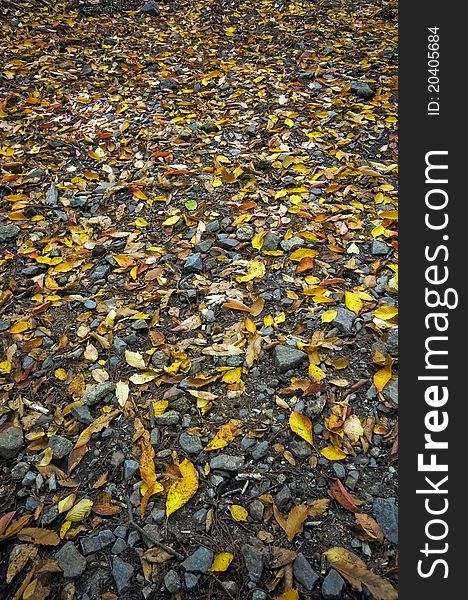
(5, 521)
(318, 507)
(103, 506)
(368, 528)
(36, 535)
(16, 527)
(18, 561)
(342, 496)
(293, 525)
(355, 571)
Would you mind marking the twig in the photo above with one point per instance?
(148, 536)
(353, 388)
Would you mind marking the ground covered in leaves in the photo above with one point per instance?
(198, 300)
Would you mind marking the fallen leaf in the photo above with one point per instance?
(183, 489)
(302, 425)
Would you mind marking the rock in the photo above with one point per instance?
(52, 195)
(92, 544)
(71, 561)
(225, 462)
(61, 446)
(209, 127)
(160, 359)
(98, 393)
(304, 573)
(82, 414)
(190, 443)
(300, 449)
(49, 515)
(171, 417)
(11, 442)
(19, 470)
(193, 263)
(8, 232)
(292, 244)
(314, 406)
(172, 582)
(287, 358)
(230, 586)
(29, 479)
(362, 90)
(283, 497)
(200, 561)
(227, 243)
(261, 450)
(259, 595)
(150, 8)
(191, 580)
(100, 272)
(168, 84)
(122, 573)
(379, 248)
(332, 586)
(139, 325)
(392, 342)
(121, 531)
(386, 513)
(271, 241)
(245, 233)
(390, 392)
(130, 468)
(340, 471)
(344, 320)
(119, 546)
(256, 510)
(253, 561)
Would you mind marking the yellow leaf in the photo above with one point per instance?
(140, 222)
(122, 392)
(256, 271)
(291, 594)
(222, 561)
(160, 406)
(382, 377)
(233, 375)
(355, 571)
(80, 511)
(294, 524)
(66, 266)
(47, 457)
(171, 220)
(60, 374)
(328, 316)
(148, 470)
(332, 453)
(182, 490)
(301, 253)
(135, 359)
(302, 425)
(353, 302)
(21, 326)
(226, 433)
(316, 373)
(144, 377)
(65, 527)
(238, 513)
(386, 312)
(5, 367)
(67, 503)
(353, 429)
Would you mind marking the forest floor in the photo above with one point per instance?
(198, 262)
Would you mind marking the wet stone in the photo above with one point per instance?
(386, 513)
(253, 561)
(190, 443)
(122, 573)
(172, 581)
(92, 544)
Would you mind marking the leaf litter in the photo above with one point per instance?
(198, 307)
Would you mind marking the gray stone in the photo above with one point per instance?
(332, 586)
(8, 232)
(287, 358)
(49, 515)
(392, 341)
(172, 581)
(121, 531)
(300, 449)
(82, 414)
(283, 497)
(191, 580)
(261, 450)
(362, 90)
(304, 573)
(386, 513)
(230, 586)
(344, 320)
(259, 595)
(314, 406)
(92, 544)
(119, 546)
(29, 479)
(122, 573)
(200, 561)
(194, 263)
(225, 462)
(340, 471)
(130, 468)
(160, 359)
(171, 417)
(100, 272)
(72, 563)
(256, 510)
(52, 195)
(199, 518)
(98, 393)
(19, 471)
(227, 243)
(11, 442)
(150, 8)
(245, 233)
(190, 443)
(390, 392)
(253, 561)
(61, 446)
(139, 325)
(271, 241)
(379, 248)
(292, 244)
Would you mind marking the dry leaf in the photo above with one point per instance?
(182, 490)
(302, 425)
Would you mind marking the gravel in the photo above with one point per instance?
(11, 442)
(61, 446)
(172, 582)
(200, 561)
(344, 320)
(92, 544)
(386, 513)
(8, 232)
(122, 572)
(225, 462)
(332, 586)
(71, 561)
(98, 393)
(253, 561)
(190, 443)
(304, 573)
(287, 358)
